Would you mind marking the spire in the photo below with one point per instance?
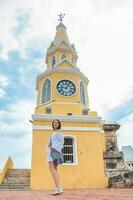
(61, 41)
(61, 35)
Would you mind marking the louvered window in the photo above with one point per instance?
(82, 93)
(46, 91)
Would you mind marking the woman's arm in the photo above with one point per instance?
(50, 143)
(60, 142)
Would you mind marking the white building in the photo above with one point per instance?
(128, 155)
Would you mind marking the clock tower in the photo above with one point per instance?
(62, 83)
(62, 94)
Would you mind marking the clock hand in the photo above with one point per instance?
(68, 85)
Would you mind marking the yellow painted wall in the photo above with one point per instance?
(89, 173)
(58, 54)
(8, 165)
(55, 78)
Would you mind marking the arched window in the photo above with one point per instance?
(69, 150)
(82, 93)
(46, 91)
(53, 62)
(63, 57)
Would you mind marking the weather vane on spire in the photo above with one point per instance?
(61, 16)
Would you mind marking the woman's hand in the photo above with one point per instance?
(52, 147)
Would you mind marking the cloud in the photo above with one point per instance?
(18, 149)
(121, 111)
(16, 132)
(3, 83)
(2, 93)
(123, 115)
(102, 34)
(125, 136)
(14, 122)
(110, 4)
(22, 22)
(3, 80)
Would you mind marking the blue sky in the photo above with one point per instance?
(102, 33)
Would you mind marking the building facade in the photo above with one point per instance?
(62, 94)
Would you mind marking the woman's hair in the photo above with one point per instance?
(59, 127)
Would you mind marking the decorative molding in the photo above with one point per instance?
(65, 60)
(65, 103)
(72, 70)
(65, 49)
(36, 127)
(38, 117)
(54, 102)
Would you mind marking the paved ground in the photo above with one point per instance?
(86, 194)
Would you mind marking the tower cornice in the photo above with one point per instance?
(79, 118)
(72, 70)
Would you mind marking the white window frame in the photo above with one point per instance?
(75, 159)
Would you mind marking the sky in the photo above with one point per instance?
(102, 31)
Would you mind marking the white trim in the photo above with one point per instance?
(66, 118)
(49, 52)
(70, 81)
(68, 61)
(53, 102)
(60, 102)
(70, 128)
(44, 104)
(75, 150)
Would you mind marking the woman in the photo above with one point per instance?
(55, 157)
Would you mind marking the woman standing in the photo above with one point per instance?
(55, 157)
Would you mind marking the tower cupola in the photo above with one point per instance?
(61, 49)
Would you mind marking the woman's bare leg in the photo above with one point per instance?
(53, 170)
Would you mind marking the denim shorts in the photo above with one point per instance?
(57, 157)
(54, 156)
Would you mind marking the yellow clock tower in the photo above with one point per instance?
(62, 94)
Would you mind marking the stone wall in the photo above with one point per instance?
(115, 167)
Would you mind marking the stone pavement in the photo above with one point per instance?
(84, 194)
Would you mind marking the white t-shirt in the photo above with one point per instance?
(57, 140)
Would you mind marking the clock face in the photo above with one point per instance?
(66, 88)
